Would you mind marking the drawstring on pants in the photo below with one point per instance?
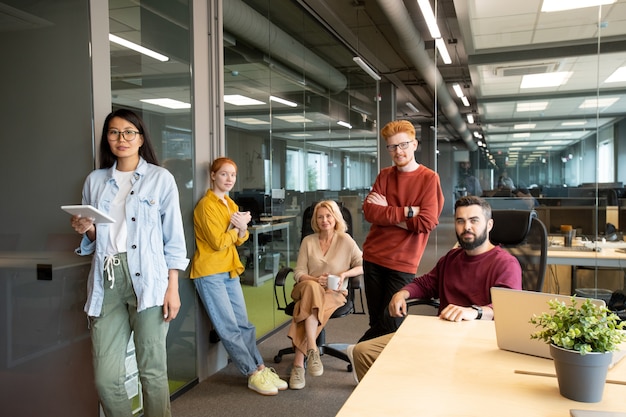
(109, 263)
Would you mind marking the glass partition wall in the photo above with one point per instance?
(156, 83)
(551, 103)
(300, 128)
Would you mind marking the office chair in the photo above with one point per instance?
(523, 235)
(336, 350)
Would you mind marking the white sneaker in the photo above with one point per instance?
(349, 353)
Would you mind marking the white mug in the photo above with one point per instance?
(333, 282)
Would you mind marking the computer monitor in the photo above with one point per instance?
(252, 201)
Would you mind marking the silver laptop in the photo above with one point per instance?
(512, 311)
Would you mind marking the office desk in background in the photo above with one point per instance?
(607, 258)
(273, 224)
(433, 367)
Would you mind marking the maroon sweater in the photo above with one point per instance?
(465, 280)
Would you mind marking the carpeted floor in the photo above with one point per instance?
(226, 393)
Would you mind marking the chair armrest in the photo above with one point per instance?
(356, 282)
(422, 301)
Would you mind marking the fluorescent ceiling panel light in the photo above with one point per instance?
(618, 76)
(412, 107)
(138, 48)
(576, 123)
(344, 124)
(561, 134)
(168, 103)
(239, 100)
(465, 101)
(593, 103)
(524, 126)
(366, 68)
(457, 89)
(283, 101)
(429, 17)
(443, 51)
(519, 144)
(296, 118)
(300, 135)
(516, 149)
(543, 148)
(532, 106)
(521, 135)
(248, 121)
(470, 119)
(553, 79)
(560, 5)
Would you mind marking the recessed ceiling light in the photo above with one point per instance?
(561, 134)
(249, 121)
(560, 5)
(167, 103)
(575, 123)
(239, 100)
(532, 106)
(300, 135)
(283, 101)
(618, 76)
(294, 119)
(553, 79)
(521, 135)
(524, 126)
(592, 103)
(344, 124)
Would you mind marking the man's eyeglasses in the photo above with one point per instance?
(128, 135)
(401, 145)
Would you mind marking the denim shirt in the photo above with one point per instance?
(156, 238)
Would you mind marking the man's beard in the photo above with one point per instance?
(478, 240)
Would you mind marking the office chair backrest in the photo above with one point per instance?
(308, 215)
(523, 235)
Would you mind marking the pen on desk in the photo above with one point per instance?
(517, 371)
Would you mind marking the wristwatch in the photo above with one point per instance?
(479, 310)
(409, 215)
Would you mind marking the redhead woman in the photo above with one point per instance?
(220, 227)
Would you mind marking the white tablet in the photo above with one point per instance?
(85, 210)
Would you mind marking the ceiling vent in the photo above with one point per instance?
(517, 70)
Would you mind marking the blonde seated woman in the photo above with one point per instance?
(328, 251)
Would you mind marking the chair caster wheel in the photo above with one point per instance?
(349, 367)
(278, 359)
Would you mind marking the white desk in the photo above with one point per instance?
(266, 228)
(607, 257)
(433, 367)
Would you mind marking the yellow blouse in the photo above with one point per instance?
(216, 246)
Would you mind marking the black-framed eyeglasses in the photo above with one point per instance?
(401, 145)
(128, 135)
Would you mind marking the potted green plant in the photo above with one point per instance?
(582, 337)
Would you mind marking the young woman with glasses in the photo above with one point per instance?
(133, 282)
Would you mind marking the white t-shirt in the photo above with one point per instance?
(118, 232)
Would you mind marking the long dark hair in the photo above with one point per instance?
(146, 151)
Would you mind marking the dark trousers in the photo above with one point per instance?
(380, 285)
